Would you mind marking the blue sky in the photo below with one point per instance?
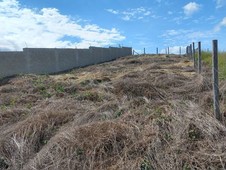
(136, 23)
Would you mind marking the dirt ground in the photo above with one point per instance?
(138, 112)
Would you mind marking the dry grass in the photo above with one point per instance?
(142, 113)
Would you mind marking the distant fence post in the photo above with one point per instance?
(157, 51)
(144, 51)
(199, 58)
(193, 53)
(168, 51)
(180, 51)
(215, 81)
(187, 50)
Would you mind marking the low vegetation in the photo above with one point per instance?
(146, 112)
(207, 58)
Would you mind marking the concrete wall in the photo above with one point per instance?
(53, 60)
(12, 63)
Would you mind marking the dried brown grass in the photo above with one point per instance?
(133, 113)
(22, 140)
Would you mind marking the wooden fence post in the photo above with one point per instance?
(199, 58)
(180, 51)
(215, 82)
(144, 51)
(187, 50)
(193, 53)
(157, 51)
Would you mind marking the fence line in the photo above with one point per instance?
(134, 52)
(199, 58)
(215, 77)
(193, 52)
(215, 81)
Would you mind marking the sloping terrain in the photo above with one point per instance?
(147, 112)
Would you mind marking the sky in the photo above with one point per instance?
(133, 23)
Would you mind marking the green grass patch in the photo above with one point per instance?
(207, 58)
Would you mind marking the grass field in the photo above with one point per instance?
(207, 58)
(134, 113)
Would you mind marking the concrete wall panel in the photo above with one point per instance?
(12, 63)
(41, 60)
(67, 59)
(52, 60)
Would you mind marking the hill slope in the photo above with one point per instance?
(148, 112)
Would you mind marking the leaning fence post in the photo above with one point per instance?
(199, 58)
(215, 82)
(193, 54)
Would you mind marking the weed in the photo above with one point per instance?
(29, 105)
(85, 82)
(3, 107)
(163, 117)
(118, 113)
(12, 102)
(168, 137)
(159, 110)
(41, 86)
(194, 133)
(59, 88)
(145, 165)
(90, 95)
(45, 93)
(186, 167)
(8, 102)
(79, 151)
(104, 117)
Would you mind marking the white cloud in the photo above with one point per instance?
(112, 11)
(191, 8)
(223, 22)
(220, 25)
(210, 18)
(48, 28)
(132, 14)
(220, 3)
(171, 33)
(186, 36)
(147, 13)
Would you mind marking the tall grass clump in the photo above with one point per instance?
(207, 58)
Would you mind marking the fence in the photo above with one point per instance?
(53, 60)
(191, 51)
(168, 51)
